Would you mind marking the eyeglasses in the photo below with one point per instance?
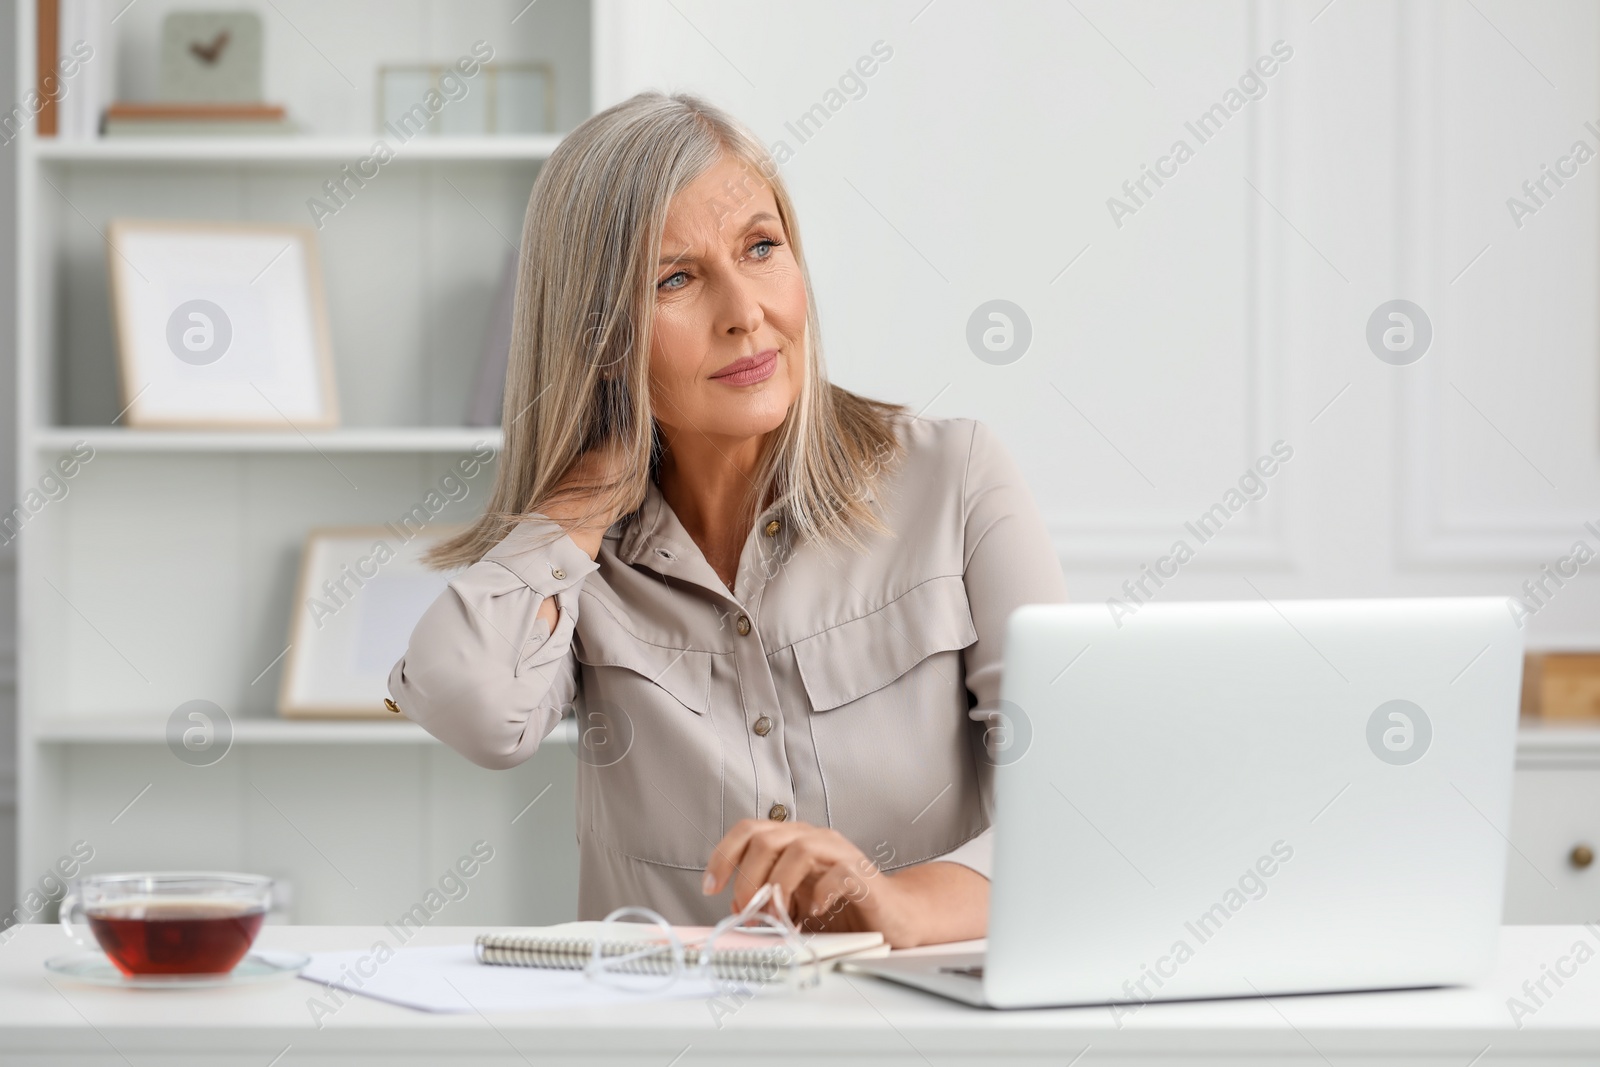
(758, 945)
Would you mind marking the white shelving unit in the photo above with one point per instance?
(291, 151)
(164, 572)
(152, 730)
(415, 441)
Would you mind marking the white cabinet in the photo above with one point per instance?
(1555, 818)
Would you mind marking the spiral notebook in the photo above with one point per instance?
(570, 946)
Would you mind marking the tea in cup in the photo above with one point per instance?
(183, 922)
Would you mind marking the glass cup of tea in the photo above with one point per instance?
(182, 922)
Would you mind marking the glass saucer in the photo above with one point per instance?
(96, 969)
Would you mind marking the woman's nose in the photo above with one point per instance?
(741, 310)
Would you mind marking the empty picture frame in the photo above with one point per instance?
(435, 99)
(220, 326)
(360, 593)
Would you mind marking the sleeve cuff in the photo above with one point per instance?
(539, 552)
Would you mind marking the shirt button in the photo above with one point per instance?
(743, 625)
(763, 726)
(392, 706)
(777, 813)
(558, 574)
(773, 527)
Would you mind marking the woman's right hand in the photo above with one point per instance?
(583, 512)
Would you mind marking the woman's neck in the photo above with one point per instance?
(707, 481)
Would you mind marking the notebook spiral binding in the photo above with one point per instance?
(574, 954)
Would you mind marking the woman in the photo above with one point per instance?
(779, 606)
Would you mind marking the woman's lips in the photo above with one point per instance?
(749, 369)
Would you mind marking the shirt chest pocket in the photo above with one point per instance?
(650, 784)
(889, 721)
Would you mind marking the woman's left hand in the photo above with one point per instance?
(831, 886)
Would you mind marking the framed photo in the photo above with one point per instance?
(360, 593)
(433, 99)
(220, 326)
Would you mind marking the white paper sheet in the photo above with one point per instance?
(450, 979)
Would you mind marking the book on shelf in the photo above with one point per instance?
(82, 65)
(152, 111)
(191, 118)
(47, 25)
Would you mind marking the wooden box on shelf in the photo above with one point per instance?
(1563, 686)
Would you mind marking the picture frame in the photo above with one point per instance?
(502, 99)
(352, 616)
(220, 326)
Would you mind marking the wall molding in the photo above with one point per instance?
(1264, 538)
(1430, 536)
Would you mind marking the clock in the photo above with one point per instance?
(211, 56)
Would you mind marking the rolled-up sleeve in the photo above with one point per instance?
(481, 671)
(1009, 562)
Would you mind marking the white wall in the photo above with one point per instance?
(1231, 308)
(1225, 314)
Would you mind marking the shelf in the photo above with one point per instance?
(1557, 743)
(375, 439)
(151, 729)
(1537, 743)
(292, 150)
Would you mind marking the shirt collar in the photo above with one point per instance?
(654, 537)
(639, 534)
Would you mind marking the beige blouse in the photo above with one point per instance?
(843, 688)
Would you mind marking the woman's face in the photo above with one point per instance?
(726, 356)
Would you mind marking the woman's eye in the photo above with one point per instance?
(666, 283)
(770, 245)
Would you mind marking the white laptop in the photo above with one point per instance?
(1232, 799)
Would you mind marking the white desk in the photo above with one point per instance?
(842, 1023)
